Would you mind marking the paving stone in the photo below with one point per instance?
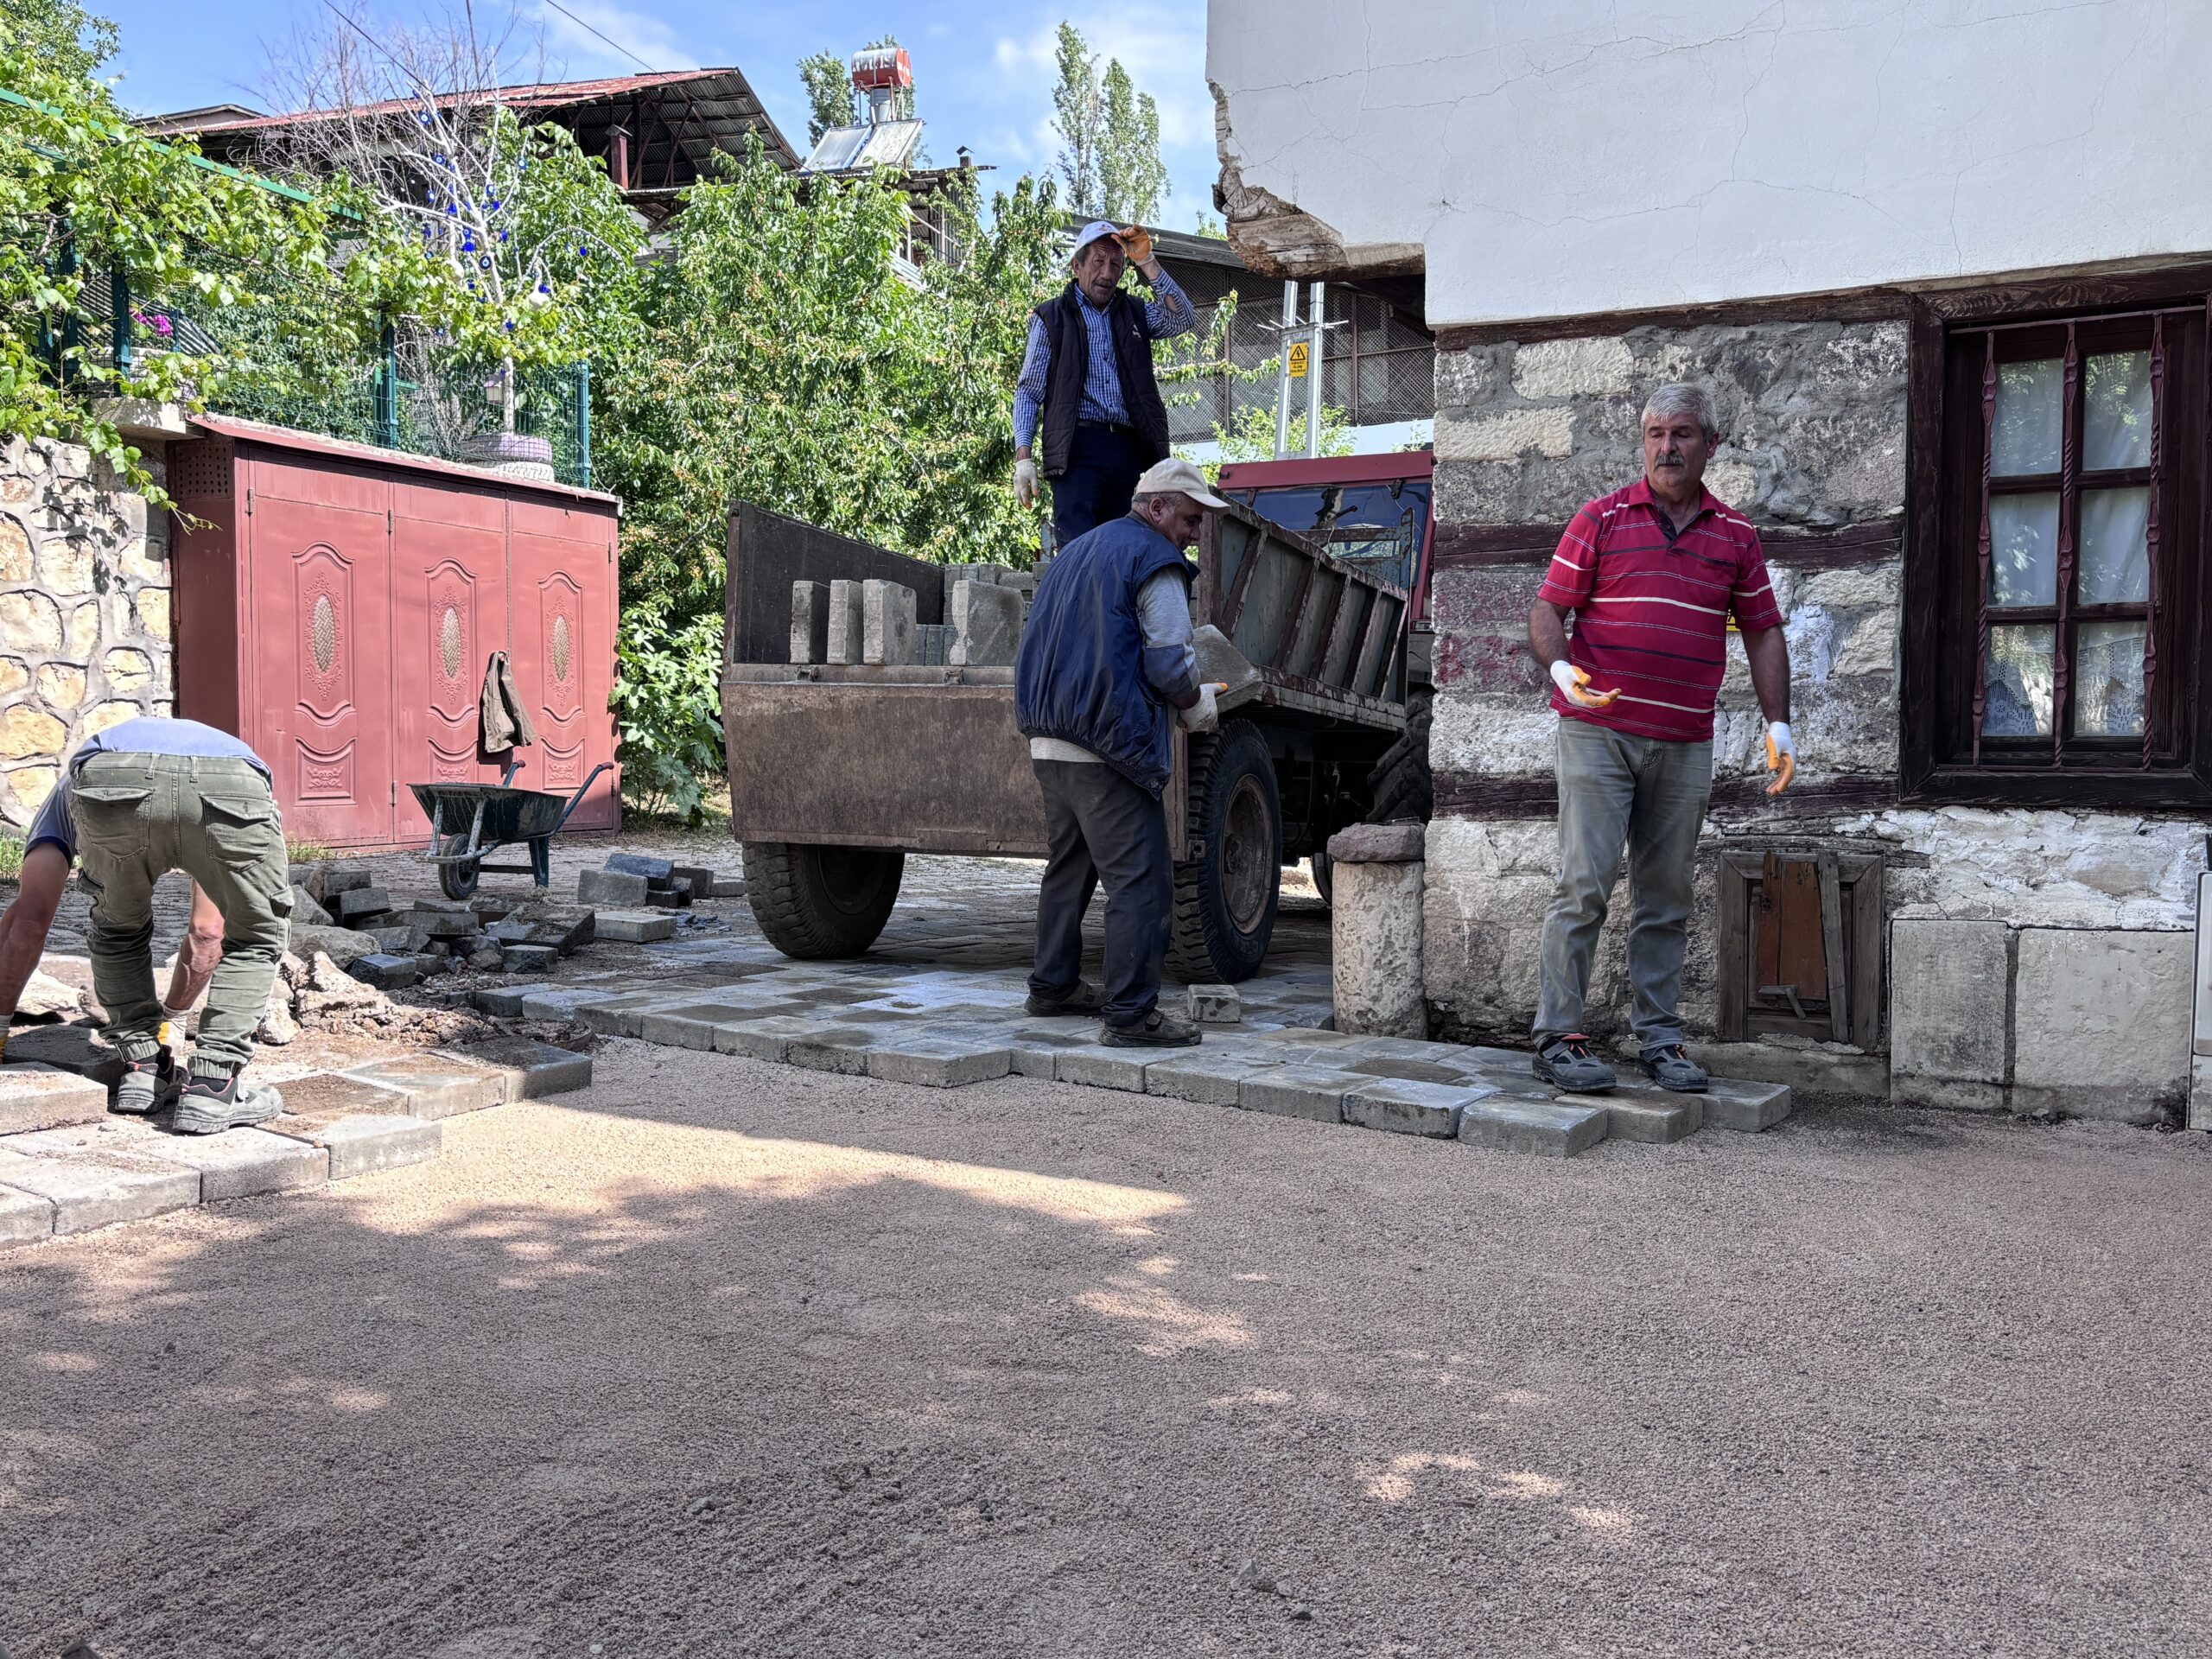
(341, 944)
(362, 1143)
(1304, 1043)
(565, 927)
(437, 1088)
(887, 622)
(1554, 1130)
(386, 970)
(242, 1162)
(501, 1001)
(1656, 1119)
(396, 941)
(333, 1094)
(447, 927)
(1203, 1074)
(844, 641)
(1036, 1052)
(830, 1047)
(986, 622)
(1743, 1107)
(937, 1061)
(611, 888)
(96, 1189)
(558, 1002)
(79, 1049)
(1383, 1066)
(528, 958)
(1106, 1068)
(729, 887)
(1406, 1107)
(1216, 1005)
(622, 1016)
(1315, 1092)
(772, 1038)
(689, 1025)
(37, 1097)
(358, 902)
(700, 878)
(25, 1218)
(305, 909)
(810, 621)
(325, 880)
(532, 1069)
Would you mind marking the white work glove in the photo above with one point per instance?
(1202, 715)
(1570, 680)
(1781, 755)
(1024, 483)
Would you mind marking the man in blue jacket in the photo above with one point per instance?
(1106, 656)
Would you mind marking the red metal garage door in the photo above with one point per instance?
(560, 589)
(449, 613)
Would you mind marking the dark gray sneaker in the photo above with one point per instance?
(1085, 998)
(210, 1105)
(1155, 1030)
(1671, 1068)
(1566, 1063)
(148, 1086)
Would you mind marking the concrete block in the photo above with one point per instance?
(609, 888)
(564, 927)
(653, 869)
(2102, 1023)
(1950, 1012)
(938, 1062)
(1216, 1005)
(92, 1189)
(844, 632)
(1653, 1121)
(888, 620)
(620, 1016)
(702, 879)
(333, 1094)
(436, 1087)
(634, 926)
(689, 1027)
(243, 1162)
(1406, 1107)
(386, 971)
(394, 940)
(1384, 1065)
(1036, 1049)
(729, 887)
(306, 910)
(25, 1218)
(810, 621)
(447, 926)
(1313, 1092)
(343, 946)
(932, 645)
(501, 1001)
(531, 1071)
(984, 576)
(1203, 1074)
(362, 1143)
(1378, 844)
(528, 958)
(358, 902)
(325, 880)
(79, 1049)
(34, 1098)
(1558, 1129)
(1106, 1068)
(1375, 928)
(1743, 1107)
(986, 625)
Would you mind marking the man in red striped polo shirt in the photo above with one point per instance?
(1650, 575)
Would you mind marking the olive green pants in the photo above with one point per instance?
(138, 817)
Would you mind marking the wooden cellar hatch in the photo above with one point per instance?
(1800, 946)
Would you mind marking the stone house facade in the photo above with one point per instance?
(1968, 412)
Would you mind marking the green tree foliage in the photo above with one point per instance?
(830, 100)
(1110, 161)
(668, 710)
(60, 35)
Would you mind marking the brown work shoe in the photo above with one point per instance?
(1155, 1030)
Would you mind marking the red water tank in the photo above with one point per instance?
(882, 69)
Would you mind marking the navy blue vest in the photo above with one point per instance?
(1080, 676)
(1071, 365)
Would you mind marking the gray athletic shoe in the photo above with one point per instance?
(1566, 1063)
(148, 1086)
(1670, 1068)
(209, 1107)
(1156, 1030)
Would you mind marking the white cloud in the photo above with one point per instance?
(585, 53)
(1163, 49)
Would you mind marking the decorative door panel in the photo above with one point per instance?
(562, 591)
(449, 615)
(323, 666)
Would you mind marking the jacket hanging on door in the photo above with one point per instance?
(502, 721)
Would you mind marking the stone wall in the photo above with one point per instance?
(84, 638)
(1813, 417)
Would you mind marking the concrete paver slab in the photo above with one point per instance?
(1555, 1129)
(438, 1088)
(91, 1189)
(1743, 1107)
(1314, 1092)
(938, 1062)
(1210, 1074)
(1107, 1068)
(1406, 1107)
(1634, 1117)
(532, 1071)
(25, 1218)
(242, 1163)
(36, 1097)
(362, 1143)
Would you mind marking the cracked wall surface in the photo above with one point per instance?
(1579, 156)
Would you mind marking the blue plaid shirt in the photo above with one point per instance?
(1167, 315)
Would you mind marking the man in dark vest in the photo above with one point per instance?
(1086, 395)
(1106, 663)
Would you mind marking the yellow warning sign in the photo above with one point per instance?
(1298, 355)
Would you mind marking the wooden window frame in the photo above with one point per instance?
(1943, 756)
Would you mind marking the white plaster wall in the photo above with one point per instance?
(1579, 155)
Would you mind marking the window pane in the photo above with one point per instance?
(2017, 702)
(2108, 680)
(2024, 548)
(2026, 436)
(2117, 403)
(2114, 568)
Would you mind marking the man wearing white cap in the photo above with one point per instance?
(1086, 396)
(1106, 665)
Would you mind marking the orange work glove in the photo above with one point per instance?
(1781, 755)
(1136, 242)
(1571, 680)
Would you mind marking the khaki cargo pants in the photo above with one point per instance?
(138, 817)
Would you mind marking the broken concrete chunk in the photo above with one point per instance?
(386, 971)
(844, 642)
(810, 621)
(305, 909)
(609, 888)
(887, 623)
(340, 944)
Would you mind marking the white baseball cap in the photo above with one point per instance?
(1097, 231)
(1173, 477)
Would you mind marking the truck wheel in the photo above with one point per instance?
(814, 902)
(1399, 785)
(1324, 876)
(1225, 896)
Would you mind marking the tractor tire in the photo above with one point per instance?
(1399, 785)
(820, 902)
(1225, 893)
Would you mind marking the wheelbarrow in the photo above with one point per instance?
(495, 816)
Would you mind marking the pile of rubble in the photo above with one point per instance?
(657, 886)
(389, 941)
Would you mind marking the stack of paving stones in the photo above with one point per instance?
(946, 1027)
(392, 941)
(69, 1165)
(642, 892)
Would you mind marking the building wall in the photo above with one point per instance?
(1813, 422)
(1579, 156)
(85, 637)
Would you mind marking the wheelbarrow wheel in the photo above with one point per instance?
(456, 881)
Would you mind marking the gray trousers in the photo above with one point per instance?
(138, 817)
(1617, 789)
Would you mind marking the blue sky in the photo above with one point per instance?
(983, 69)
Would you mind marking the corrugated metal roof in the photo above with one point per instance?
(851, 150)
